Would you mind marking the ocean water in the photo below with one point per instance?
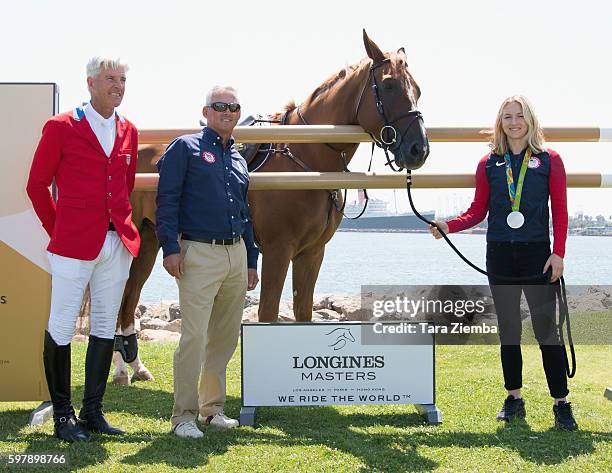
(353, 259)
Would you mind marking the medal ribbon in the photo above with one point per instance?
(515, 191)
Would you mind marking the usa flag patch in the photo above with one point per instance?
(208, 157)
(534, 163)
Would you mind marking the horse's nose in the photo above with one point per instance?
(416, 150)
(419, 150)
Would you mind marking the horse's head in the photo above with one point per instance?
(387, 107)
(342, 337)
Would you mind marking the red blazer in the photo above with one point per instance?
(92, 189)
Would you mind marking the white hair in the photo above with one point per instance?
(98, 63)
(217, 89)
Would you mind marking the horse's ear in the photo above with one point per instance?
(373, 51)
(402, 53)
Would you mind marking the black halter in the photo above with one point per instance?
(389, 139)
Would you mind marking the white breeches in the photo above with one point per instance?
(106, 276)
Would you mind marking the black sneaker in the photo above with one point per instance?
(564, 419)
(512, 409)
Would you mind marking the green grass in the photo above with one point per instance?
(348, 438)
(586, 327)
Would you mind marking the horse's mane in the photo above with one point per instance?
(286, 109)
(334, 79)
(324, 87)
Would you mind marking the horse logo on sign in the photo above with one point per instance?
(342, 337)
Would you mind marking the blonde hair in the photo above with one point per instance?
(535, 135)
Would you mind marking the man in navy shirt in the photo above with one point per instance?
(204, 228)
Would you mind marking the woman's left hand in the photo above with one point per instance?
(556, 263)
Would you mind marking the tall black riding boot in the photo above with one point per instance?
(56, 359)
(97, 367)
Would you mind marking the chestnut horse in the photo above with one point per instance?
(380, 95)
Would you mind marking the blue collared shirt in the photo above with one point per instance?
(202, 192)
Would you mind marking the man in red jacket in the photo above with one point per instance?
(91, 153)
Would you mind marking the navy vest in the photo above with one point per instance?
(534, 201)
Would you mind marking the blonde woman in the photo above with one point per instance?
(514, 184)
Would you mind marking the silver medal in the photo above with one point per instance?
(515, 219)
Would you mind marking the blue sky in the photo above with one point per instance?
(467, 56)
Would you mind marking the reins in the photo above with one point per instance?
(560, 291)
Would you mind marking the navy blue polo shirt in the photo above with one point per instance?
(202, 192)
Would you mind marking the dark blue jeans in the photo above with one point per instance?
(520, 259)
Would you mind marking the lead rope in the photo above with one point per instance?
(559, 288)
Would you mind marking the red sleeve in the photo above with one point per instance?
(557, 185)
(44, 166)
(131, 175)
(480, 206)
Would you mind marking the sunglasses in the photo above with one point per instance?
(223, 106)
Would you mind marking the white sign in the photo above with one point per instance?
(334, 363)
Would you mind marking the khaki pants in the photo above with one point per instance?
(211, 295)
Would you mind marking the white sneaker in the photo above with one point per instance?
(219, 420)
(188, 430)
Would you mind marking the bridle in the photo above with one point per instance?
(389, 139)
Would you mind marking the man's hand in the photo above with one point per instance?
(174, 265)
(435, 232)
(253, 279)
(556, 263)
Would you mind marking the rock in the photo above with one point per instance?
(322, 303)
(174, 326)
(141, 311)
(593, 299)
(349, 307)
(174, 311)
(285, 312)
(153, 324)
(326, 314)
(250, 314)
(156, 311)
(150, 335)
(250, 301)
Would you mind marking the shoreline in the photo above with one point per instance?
(471, 231)
(162, 321)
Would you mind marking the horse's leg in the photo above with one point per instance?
(121, 375)
(139, 273)
(273, 273)
(305, 269)
(141, 373)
